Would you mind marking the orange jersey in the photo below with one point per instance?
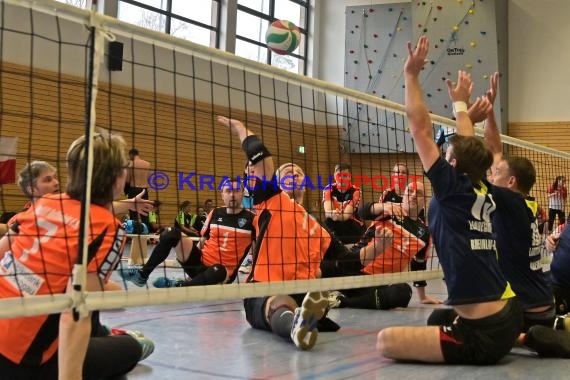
(290, 242)
(229, 237)
(341, 199)
(40, 261)
(409, 238)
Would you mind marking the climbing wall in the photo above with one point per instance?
(462, 37)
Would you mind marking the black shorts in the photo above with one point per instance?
(481, 341)
(348, 231)
(11, 370)
(543, 318)
(194, 266)
(255, 310)
(339, 261)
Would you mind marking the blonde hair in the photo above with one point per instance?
(109, 161)
(279, 171)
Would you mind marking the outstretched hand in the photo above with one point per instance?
(479, 110)
(142, 206)
(462, 90)
(235, 126)
(416, 58)
(493, 84)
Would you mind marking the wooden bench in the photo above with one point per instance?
(139, 243)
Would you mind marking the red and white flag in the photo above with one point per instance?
(8, 146)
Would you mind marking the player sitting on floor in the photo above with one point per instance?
(396, 239)
(43, 245)
(226, 238)
(290, 246)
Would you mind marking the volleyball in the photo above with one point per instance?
(282, 37)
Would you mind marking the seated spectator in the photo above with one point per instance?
(185, 220)
(341, 202)
(154, 218)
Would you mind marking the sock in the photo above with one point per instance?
(281, 322)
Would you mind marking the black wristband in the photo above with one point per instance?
(254, 149)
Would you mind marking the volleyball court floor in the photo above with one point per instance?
(212, 340)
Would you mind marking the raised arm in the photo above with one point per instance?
(460, 95)
(261, 160)
(492, 134)
(417, 112)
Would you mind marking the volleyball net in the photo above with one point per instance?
(59, 79)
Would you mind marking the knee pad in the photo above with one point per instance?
(441, 317)
(216, 274)
(392, 296)
(170, 236)
(279, 302)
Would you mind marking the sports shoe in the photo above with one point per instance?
(165, 282)
(547, 342)
(133, 275)
(246, 266)
(304, 330)
(134, 333)
(562, 322)
(336, 300)
(147, 346)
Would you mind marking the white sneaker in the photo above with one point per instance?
(304, 330)
(336, 299)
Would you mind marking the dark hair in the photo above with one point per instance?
(183, 205)
(523, 170)
(472, 156)
(157, 203)
(555, 183)
(134, 152)
(343, 167)
(109, 162)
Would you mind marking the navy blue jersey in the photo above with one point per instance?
(520, 247)
(560, 266)
(460, 224)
